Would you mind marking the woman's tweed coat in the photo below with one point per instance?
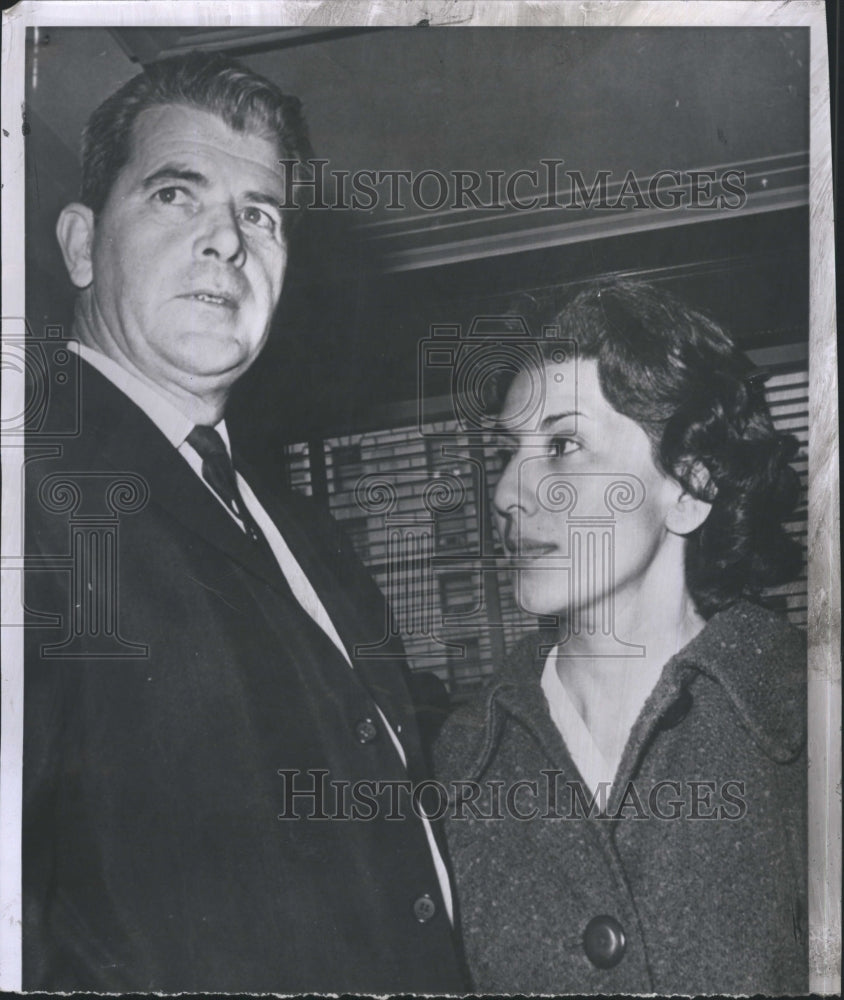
(712, 901)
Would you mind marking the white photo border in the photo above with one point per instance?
(824, 548)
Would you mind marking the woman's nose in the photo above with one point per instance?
(513, 491)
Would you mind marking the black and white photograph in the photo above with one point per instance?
(420, 555)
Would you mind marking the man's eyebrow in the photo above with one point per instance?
(263, 198)
(173, 172)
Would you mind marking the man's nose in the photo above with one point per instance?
(220, 236)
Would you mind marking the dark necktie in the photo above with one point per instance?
(218, 472)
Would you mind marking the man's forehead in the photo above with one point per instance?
(179, 132)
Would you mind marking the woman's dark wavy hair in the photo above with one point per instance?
(246, 102)
(682, 379)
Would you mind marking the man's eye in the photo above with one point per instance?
(258, 217)
(171, 196)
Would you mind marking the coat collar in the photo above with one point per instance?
(754, 655)
(759, 660)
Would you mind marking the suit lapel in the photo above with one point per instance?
(127, 440)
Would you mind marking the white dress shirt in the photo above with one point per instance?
(176, 427)
(595, 768)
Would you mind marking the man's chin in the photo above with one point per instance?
(215, 354)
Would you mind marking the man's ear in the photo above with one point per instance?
(689, 512)
(75, 233)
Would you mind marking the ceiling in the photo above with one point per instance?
(484, 98)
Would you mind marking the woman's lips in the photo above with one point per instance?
(529, 550)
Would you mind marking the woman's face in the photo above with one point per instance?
(581, 507)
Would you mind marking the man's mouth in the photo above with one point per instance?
(213, 299)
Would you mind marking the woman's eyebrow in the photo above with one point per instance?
(505, 430)
(554, 418)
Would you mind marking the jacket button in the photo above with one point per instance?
(424, 908)
(604, 942)
(366, 731)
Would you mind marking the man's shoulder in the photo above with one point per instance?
(83, 413)
(91, 435)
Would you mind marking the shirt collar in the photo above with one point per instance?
(759, 660)
(755, 656)
(172, 423)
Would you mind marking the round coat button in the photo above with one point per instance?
(424, 908)
(604, 942)
(366, 731)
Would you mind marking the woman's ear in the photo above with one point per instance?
(689, 512)
(75, 233)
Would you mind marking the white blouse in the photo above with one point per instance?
(597, 770)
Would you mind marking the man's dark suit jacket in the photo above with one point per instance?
(154, 856)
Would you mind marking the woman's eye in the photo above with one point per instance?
(559, 446)
(504, 453)
(258, 217)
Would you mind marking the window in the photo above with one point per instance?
(787, 392)
(458, 593)
(465, 667)
(348, 467)
(451, 530)
(357, 531)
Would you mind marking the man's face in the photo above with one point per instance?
(188, 252)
